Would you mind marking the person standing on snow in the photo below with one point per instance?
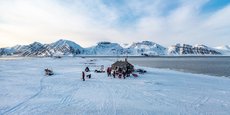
(124, 74)
(114, 74)
(83, 75)
(109, 71)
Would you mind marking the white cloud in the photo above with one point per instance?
(87, 22)
(186, 24)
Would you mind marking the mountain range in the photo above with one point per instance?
(144, 48)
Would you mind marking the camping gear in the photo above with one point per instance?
(119, 75)
(48, 72)
(99, 71)
(89, 76)
(135, 75)
(141, 71)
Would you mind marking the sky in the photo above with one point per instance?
(87, 22)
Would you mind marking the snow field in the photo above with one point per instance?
(25, 90)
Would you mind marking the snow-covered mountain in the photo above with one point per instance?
(22, 50)
(60, 47)
(63, 47)
(146, 48)
(29, 50)
(105, 48)
(224, 49)
(186, 49)
(135, 49)
(6, 51)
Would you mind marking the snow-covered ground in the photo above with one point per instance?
(24, 90)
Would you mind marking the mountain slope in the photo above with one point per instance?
(186, 49)
(22, 50)
(63, 47)
(146, 48)
(105, 48)
(224, 49)
(60, 47)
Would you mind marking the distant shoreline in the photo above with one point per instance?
(208, 65)
(7, 57)
(153, 56)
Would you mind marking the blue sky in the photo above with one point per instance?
(87, 22)
(214, 5)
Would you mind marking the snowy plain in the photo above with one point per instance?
(24, 90)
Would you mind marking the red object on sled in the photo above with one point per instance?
(135, 75)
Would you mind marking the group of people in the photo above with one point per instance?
(119, 72)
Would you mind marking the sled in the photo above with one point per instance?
(48, 72)
(141, 71)
(99, 71)
(89, 76)
(135, 75)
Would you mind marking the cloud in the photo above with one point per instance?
(125, 21)
(187, 24)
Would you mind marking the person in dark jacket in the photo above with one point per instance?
(114, 74)
(109, 71)
(127, 73)
(83, 75)
(87, 69)
(124, 74)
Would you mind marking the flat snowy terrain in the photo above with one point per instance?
(24, 90)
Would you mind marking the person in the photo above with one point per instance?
(87, 69)
(127, 73)
(83, 75)
(120, 72)
(109, 71)
(124, 74)
(114, 76)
